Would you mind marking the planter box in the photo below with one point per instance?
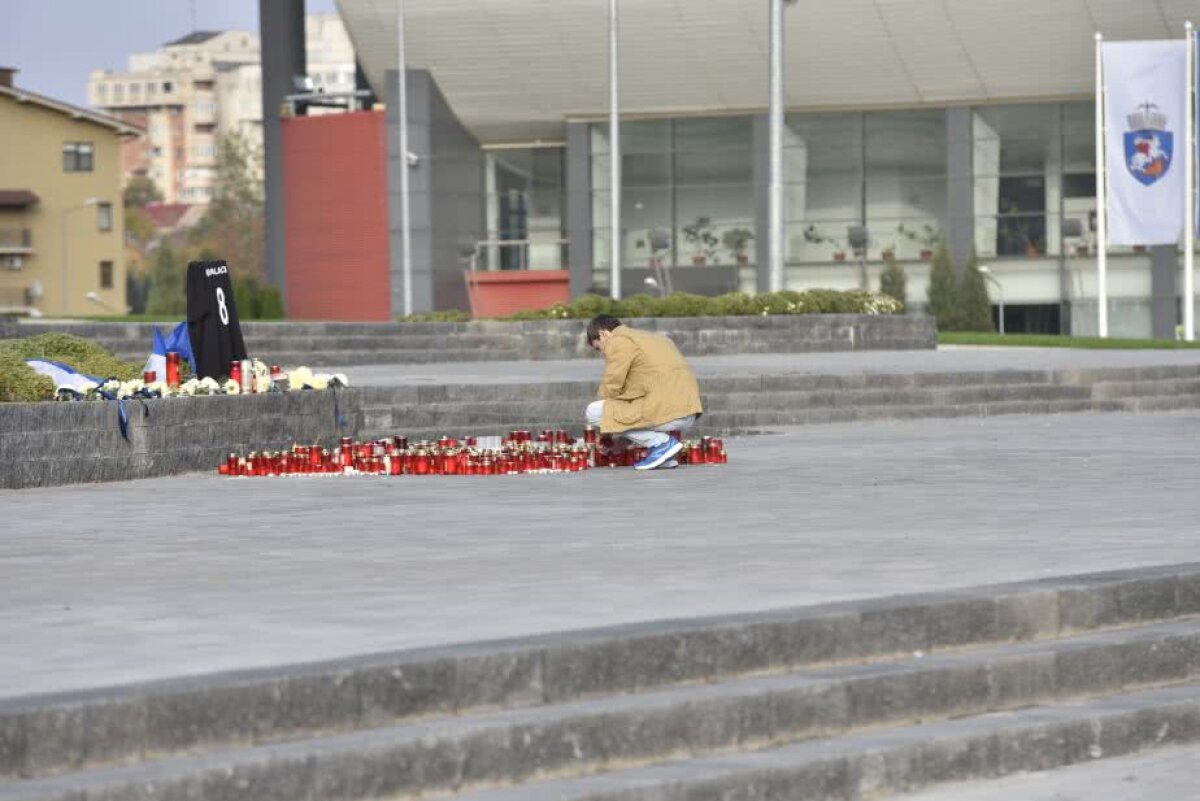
(496, 294)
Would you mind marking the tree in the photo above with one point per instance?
(139, 228)
(166, 296)
(974, 305)
(232, 228)
(140, 191)
(942, 290)
(893, 282)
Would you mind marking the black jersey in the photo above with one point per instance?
(212, 319)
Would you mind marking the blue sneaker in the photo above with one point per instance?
(659, 455)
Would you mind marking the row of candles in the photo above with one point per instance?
(241, 372)
(552, 451)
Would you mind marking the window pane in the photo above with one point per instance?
(1018, 164)
(106, 275)
(905, 181)
(104, 216)
(68, 153)
(823, 183)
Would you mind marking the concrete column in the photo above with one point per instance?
(762, 203)
(960, 186)
(281, 26)
(1164, 291)
(579, 206)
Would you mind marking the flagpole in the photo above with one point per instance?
(1101, 198)
(1189, 197)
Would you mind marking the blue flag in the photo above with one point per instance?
(178, 341)
(181, 342)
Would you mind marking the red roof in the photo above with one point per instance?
(165, 215)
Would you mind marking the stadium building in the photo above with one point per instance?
(965, 122)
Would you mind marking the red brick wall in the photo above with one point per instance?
(335, 217)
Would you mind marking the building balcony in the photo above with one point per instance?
(16, 241)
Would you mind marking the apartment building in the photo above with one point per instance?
(61, 220)
(196, 89)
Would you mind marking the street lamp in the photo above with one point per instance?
(91, 201)
(987, 274)
(775, 147)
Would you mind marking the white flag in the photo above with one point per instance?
(1145, 103)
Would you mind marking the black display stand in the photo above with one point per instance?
(212, 317)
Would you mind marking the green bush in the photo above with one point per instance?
(256, 301)
(974, 306)
(270, 304)
(942, 292)
(893, 282)
(682, 304)
(18, 382)
(448, 316)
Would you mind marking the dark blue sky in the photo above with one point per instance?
(56, 43)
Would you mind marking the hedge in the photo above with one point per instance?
(681, 304)
(19, 382)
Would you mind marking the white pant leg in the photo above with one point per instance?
(595, 410)
(653, 437)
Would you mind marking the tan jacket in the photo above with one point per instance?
(646, 382)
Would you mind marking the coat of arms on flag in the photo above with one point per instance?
(1148, 144)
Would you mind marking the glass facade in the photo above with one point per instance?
(687, 192)
(524, 203)
(694, 190)
(884, 170)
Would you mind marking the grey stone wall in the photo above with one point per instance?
(46, 444)
(291, 344)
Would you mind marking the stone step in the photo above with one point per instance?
(697, 720)
(422, 419)
(386, 693)
(889, 761)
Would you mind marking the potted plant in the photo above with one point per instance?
(811, 234)
(928, 237)
(736, 240)
(702, 239)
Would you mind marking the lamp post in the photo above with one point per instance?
(614, 142)
(987, 274)
(405, 162)
(775, 146)
(91, 201)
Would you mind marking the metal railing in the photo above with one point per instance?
(491, 255)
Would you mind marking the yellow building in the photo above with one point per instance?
(62, 226)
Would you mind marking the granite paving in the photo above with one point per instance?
(114, 583)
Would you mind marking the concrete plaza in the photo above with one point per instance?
(109, 584)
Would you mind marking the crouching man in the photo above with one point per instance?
(647, 390)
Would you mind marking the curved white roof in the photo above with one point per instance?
(514, 69)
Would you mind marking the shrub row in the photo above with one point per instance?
(681, 304)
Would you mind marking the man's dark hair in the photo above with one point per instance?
(601, 322)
